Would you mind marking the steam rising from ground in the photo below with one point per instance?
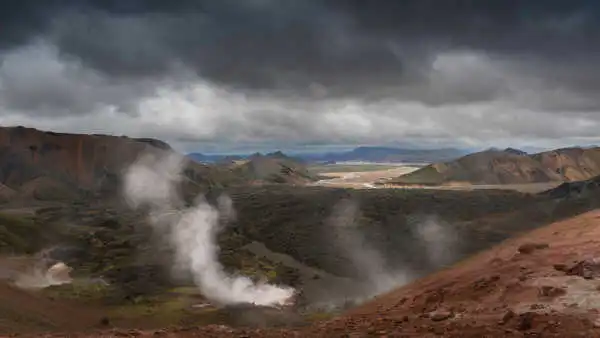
(439, 243)
(152, 182)
(40, 276)
(368, 260)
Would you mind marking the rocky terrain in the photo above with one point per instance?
(336, 247)
(509, 167)
(543, 283)
(284, 234)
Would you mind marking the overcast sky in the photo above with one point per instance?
(217, 74)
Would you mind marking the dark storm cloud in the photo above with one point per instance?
(344, 44)
(339, 71)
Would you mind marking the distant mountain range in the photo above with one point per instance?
(360, 154)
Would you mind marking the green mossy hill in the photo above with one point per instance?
(22, 234)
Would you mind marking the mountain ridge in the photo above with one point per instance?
(362, 153)
(510, 167)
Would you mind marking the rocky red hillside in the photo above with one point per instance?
(47, 165)
(510, 167)
(543, 284)
(28, 153)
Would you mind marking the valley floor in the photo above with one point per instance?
(361, 179)
(544, 283)
(376, 179)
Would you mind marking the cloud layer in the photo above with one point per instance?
(297, 72)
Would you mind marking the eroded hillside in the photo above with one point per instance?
(39, 165)
(510, 167)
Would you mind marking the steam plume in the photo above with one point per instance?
(152, 182)
(40, 276)
(438, 241)
(364, 257)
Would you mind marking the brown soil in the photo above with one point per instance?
(541, 284)
(23, 311)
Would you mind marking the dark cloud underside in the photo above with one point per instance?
(291, 61)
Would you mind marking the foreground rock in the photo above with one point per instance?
(528, 248)
(588, 269)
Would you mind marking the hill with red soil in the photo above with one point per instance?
(510, 167)
(544, 283)
(81, 159)
(50, 166)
